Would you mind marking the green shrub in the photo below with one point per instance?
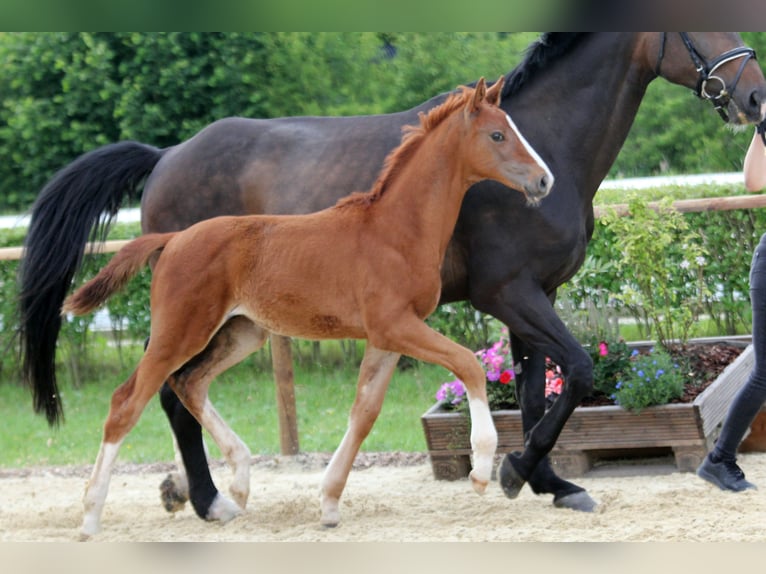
(611, 360)
(660, 265)
(653, 378)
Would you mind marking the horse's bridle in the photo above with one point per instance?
(706, 71)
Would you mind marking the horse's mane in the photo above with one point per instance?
(548, 48)
(411, 140)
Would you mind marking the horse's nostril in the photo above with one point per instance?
(544, 183)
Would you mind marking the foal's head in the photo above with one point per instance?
(489, 145)
(496, 149)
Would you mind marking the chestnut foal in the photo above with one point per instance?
(367, 268)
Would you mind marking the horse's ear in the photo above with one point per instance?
(478, 94)
(493, 93)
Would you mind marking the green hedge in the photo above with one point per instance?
(727, 238)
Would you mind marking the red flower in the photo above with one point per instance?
(506, 376)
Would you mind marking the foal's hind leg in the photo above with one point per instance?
(374, 376)
(238, 338)
(128, 402)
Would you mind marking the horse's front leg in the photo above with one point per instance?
(374, 375)
(411, 336)
(529, 315)
(530, 391)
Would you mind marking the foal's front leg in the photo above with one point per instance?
(374, 375)
(411, 336)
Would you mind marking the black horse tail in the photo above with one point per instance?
(77, 204)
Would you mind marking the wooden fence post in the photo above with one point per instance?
(282, 358)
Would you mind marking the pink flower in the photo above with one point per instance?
(603, 349)
(451, 392)
(553, 379)
(553, 385)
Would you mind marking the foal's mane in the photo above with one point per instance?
(548, 48)
(411, 140)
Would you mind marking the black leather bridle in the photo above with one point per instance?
(706, 71)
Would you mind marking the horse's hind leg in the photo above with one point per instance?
(374, 375)
(238, 338)
(128, 402)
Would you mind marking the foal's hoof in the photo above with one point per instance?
(510, 480)
(480, 486)
(576, 501)
(330, 519)
(173, 498)
(222, 510)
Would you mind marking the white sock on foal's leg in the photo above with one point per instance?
(483, 444)
(97, 489)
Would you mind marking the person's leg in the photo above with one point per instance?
(720, 466)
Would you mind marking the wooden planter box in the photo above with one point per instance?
(689, 429)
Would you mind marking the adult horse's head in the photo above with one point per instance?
(501, 152)
(718, 67)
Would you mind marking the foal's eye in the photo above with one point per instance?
(497, 136)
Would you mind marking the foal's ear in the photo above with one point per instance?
(493, 93)
(478, 94)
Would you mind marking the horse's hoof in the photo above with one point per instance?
(173, 498)
(576, 501)
(330, 519)
(510, 480)
(480, 486)
(222, 510)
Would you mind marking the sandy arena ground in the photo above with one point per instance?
(390, 500)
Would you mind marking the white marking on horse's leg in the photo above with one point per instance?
(223, 509)
(234, 450)
(374, 376)
(329, 503)
(97, 488)
(483, 443)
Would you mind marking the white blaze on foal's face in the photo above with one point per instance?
(531, 150)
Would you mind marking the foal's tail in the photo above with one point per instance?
(114, 276)
(78, 203)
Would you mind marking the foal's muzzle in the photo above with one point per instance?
(538, 190)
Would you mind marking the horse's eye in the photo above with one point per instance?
(497, 136)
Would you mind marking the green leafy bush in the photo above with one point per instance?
(611, 360)
(661, 265)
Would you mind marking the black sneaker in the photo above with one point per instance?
(726, 475)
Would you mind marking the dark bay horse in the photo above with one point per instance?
(367, 268)
(574, 95)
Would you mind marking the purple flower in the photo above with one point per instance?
(451, 392)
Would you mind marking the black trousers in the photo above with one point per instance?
(752, 395)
